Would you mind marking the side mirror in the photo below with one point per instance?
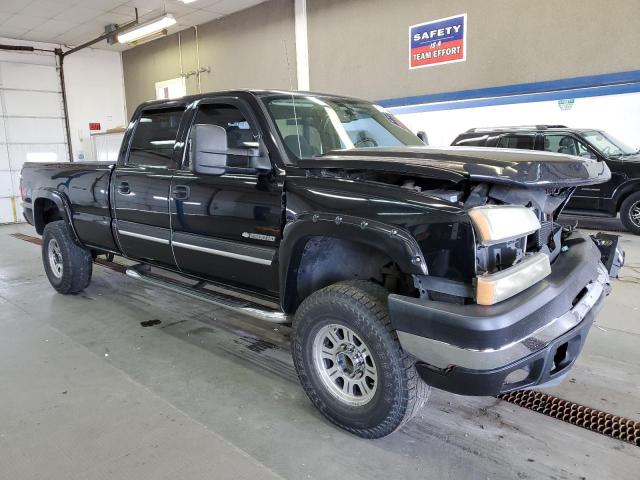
(423, 136)
(209, 153)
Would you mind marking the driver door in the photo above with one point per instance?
(227, 226)
(589, 197)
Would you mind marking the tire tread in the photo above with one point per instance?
(624, 213)
(372, 298)
(78, 263)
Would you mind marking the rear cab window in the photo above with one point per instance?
(154, 138)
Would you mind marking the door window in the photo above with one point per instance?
(240, 134)
(522, 142)
(567, 145)
(154, 138)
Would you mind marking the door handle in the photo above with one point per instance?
(181, 192)
(124, 188)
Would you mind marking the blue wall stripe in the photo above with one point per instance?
(535, 97)
(568, 84)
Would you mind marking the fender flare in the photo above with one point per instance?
(624, 190)
(64, 207)
(395, 242)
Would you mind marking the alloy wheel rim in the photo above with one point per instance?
(634, 213)
(345, 365)
(55, 257)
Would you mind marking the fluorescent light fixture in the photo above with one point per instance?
(187, 1)
(147, 29)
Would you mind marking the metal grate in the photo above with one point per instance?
(105, 263)
(26, 238)
(543, 235)
(576, 414)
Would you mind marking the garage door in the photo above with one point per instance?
(31, 124)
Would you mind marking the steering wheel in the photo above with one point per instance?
(606, 150)
(363, 140)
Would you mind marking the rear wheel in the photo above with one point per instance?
(67, 264)
(630, 213)
(350, 363)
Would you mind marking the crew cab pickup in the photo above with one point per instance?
(399, 266)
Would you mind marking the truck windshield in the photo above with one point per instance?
(608, 145)
(310, 126)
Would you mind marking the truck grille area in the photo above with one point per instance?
(543, 236)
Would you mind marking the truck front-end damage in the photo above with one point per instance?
(508, 294)
(530, 338)
(524, 319)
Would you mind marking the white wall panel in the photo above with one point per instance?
(4, 158)
(106, 147)
(31, 124)
(6, 210)
(6, 185)
(29, 103)
(92, 97)
(15, 183)
(36, 153)
(35, 130)
(25, 76)
(617, 114)
(33, 120)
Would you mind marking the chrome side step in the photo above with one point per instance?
(197, 291)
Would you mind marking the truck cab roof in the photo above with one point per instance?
(257, 93)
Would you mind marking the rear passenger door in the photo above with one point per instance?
(521, 141)
(140, 187)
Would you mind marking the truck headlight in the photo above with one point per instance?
(496, 287)
(501, 223)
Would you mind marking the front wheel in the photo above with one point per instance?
(67, 264)
(630, 213)
(350, 363)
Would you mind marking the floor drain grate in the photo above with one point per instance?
(576, 414)
(100, 261)
(26, 238)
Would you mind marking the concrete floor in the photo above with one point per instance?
(86, 392)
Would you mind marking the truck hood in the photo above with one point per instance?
(496, 165)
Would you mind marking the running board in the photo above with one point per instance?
(586, 213)
(197, 291)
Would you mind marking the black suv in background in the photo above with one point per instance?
(620, 194)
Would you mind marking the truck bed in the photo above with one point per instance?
(84, 186)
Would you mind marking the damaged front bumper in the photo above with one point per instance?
(530, 339)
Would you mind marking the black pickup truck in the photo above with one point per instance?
(399, 266)
(621, 194)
